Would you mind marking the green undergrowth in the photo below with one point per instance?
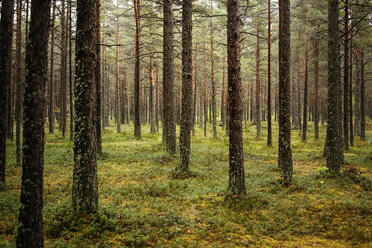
(143, 202)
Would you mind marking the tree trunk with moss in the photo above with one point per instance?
(236, 155)
(334, 136)
(6, 34)
(285, 152)
(85, 183)
(30, 222)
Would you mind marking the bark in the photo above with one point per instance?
(51, 85)
(357, 95)
(63, 68)
(258, 87)
(186, 112)
(6, 34)
(30, 221)
(362, 100)
(236, 155)
(151, 98)
(351, 89)
(285, 152)
(117, 74)
(269, 132)
(223, 107)
(157, 95)
(214, 107)
(137, 109)
(346, 78)
(316, 95)
(85, 183)
(334, 137)
(98, 79)
(195, 83)
(168, 79)
(306, 83)
(19, 83)
(205, 100)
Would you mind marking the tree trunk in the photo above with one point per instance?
(98, 79)
(346, 78)
(186, 114)
(6, 34)
(137, 109)
(63, 68)
(168, 79)
(316, 97)
(205, 101)
(51, 85)
(357, 95)
(306, 83)
(214, 108)
(19, 83)
(85, 182)
(334, 137)
(223, 107)
(362, 100)
(117, 74)
(151, 100)
(195, 83)
(157, 95)
(351, 133)
(285, 152)
(269, 132)
(30, 222)
(236, 155)
(258, 87)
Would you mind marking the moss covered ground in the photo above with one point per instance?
(143, 204)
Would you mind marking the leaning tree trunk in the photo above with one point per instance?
(186, 113)
(6, 33)
(30, 221)
(236, 155)
(285, 152)
(334, 139)
(85, 183)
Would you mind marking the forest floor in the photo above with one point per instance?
(143, 204)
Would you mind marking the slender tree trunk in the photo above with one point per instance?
(151, 100)
(346, 78)
(205, 101)
(98, 79)
(30, 221)
(362, 100)
(137, 109)
(316, 97)
(236, 155)
(258, 87)
(357, 95)
(285, 152)
(298, 95)
(195, 82)
(186, 114)
(63, 67)
(117, 74)
(6, 34)
(269, 132)
(51, 85)
(214, 107)
(334, 137)
(351, 88)
(19, 83)
(168, 79)
(103, 83)
(157, 95)
(306, 83)
(85, 182)
(223, 107)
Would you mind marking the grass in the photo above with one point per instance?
(143, 203)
